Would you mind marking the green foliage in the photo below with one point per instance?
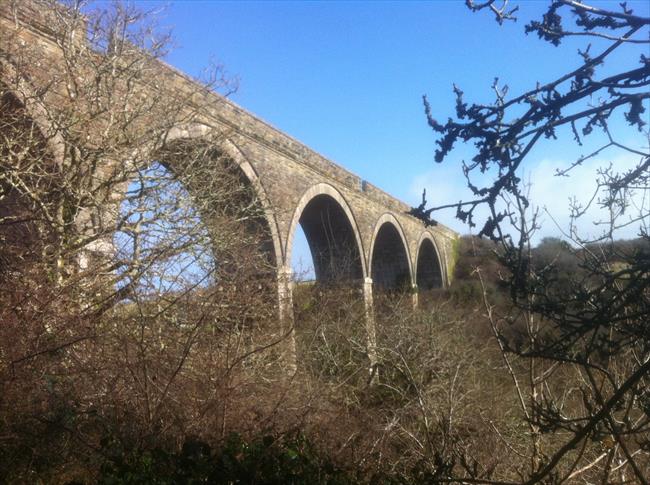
(455, 252)
(268, 460)
(473, 252)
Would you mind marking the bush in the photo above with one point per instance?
(268, 460)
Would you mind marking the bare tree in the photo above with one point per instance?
(587, 330)
(137, 285)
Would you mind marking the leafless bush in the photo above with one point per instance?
(138, 290)
(331, 332)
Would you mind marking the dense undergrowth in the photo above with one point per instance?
(439, 402)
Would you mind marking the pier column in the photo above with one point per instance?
(371, 334)
(414, 296)
(286, 317)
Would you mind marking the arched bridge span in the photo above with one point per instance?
(356, 232)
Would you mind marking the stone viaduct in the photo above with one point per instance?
(342, 215)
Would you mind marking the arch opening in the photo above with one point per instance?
(302, 264)
(335, 254)
(390, 267)
(429, 273)
(192, 219)
(162, 243)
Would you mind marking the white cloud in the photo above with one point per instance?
(550, 193)
(553, 194)
(445, 184)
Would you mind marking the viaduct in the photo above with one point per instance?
(296, 185)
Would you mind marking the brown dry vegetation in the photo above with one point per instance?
(139, 335)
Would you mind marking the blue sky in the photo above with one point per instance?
(346, 79)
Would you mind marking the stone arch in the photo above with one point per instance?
(389, 261)
(199, 131)
(429, 272)
(332, 234)
(24, 94)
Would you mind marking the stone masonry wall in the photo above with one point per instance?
(286, 168)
